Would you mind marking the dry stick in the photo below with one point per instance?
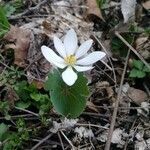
(41, 141)
(28, 111)
(106, 65)
(39, 56)
(108, 107)
(73, 147)
(18, 116)
(104, 73)
(146, 88)
(108, 143)
(74, 6)
(92, 125)
(108, 58)
(132, 49)
(95, 114)
(126, 144)
(28, 10)
(62, 144)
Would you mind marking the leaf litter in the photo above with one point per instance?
(20, 42)
(26, 35)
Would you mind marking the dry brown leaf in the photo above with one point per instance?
(140, 41)
(93, 10)
(138, 96)
(146, 5)
(11, 96)
(46, 26)
(21, 42)
(142, 46)
(38, 84)
(91, 106)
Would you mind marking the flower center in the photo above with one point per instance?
(70, 60)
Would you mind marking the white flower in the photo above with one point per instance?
(71, 57)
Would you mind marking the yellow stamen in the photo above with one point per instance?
(70, 60)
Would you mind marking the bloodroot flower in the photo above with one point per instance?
(71, 57)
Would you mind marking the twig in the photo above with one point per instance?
(146, 88)
(107, 57)
(73, 147)
(106, 65)
(104, 73)
(49, 142)
(62, 144)
(95, 114)
(5, 65)
(92, 125)
(126, 144)
(132, 49)
(108, 107)
(74, 6)
(29, 10)
(41, 141)
(108, 143)
(28, 111)
(18, 116)
(39, 56)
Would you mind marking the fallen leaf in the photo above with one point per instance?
(142, 46)
(138, 96)
(144, 110)
(141, 40)
(46, 26)
(146, 5)
(139, 135)
(140, 145)
(11, 96)
(117, 136)
(91, 106)
(21, 42)
(103, 136)
(84, 132)
(128, 9)
(93, 10)
(38, 84)
(148, 143)
(65, 124)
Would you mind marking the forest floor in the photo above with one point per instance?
(117, 113)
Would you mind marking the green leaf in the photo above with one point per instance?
(36, 96)
(118, 47)
(69, 101)
(4, 24)
(24, 90)
(9, 9)
(145, 69)
(3, 130)
(45, 108)
(23, 105)
(138, 64)
(2, 32)
(137, 73)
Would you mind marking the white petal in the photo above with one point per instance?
(69, 76)
(91, 58)
(52, 57)
(70, 42)
(59, 46)
(82, 68)
(82, 50)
